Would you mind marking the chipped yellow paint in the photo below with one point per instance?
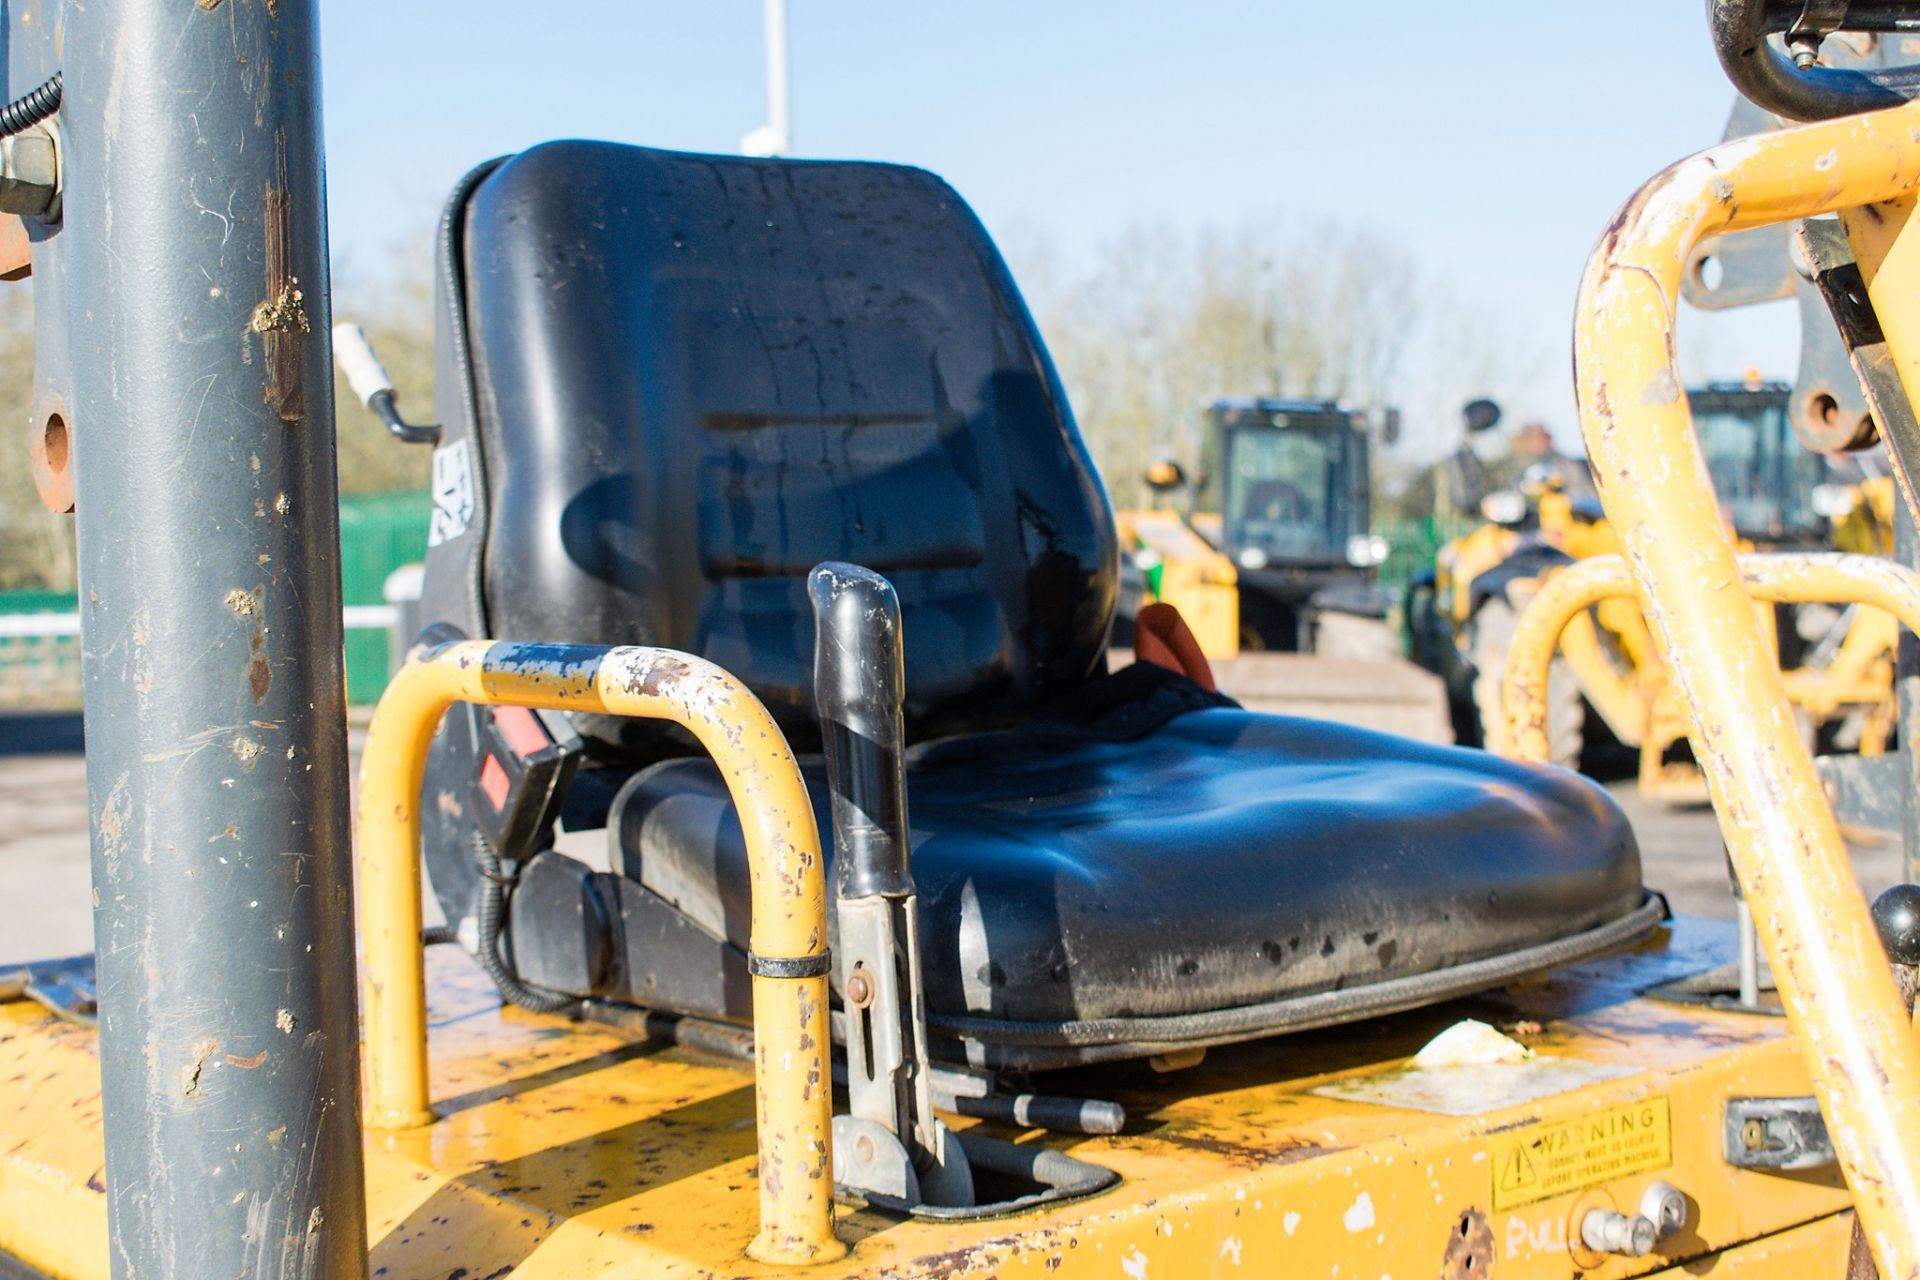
(1833, 976)
(791, 1084)
(567, 1149)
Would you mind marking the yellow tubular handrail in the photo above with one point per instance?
(1823, 577)
(1832, 974)
(792, 1080)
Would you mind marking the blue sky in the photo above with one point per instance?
(1491, 141)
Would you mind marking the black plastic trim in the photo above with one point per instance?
(796, 967)
(1322, 1009)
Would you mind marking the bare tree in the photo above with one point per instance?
(1163, 322)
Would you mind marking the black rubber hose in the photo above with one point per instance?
(1771, 80)
(22, 114)
(490, 913)
(438, 935)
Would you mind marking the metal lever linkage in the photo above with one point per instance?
(890, 1145)
(374, 387)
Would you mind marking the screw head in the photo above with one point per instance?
(1896, 913)
(859, 989)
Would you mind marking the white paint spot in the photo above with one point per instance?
(1231, 1249)
(1291, 1221)
(1135, 1263)
(1360, 1216)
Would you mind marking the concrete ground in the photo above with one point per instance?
(1683, 857)
(43, 845)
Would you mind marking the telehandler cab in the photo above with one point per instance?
(1292, 484)
(1279, 584)
(761, 513)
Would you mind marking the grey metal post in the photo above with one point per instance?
(196, 262)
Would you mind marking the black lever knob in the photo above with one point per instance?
(1896, 914)
(858, 682)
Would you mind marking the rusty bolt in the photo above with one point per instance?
(859, 989)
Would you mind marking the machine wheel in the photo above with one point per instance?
(1492, 635)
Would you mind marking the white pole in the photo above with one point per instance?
(779, 93)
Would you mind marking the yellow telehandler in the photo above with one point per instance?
(1838, 662)
(1280, 586)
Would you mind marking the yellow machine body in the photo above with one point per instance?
(566, 1149)
(1186, 571)
(501, 1142)
(1618, 664)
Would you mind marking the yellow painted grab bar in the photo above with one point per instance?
(792, 1080)
(1825, 577)
(1833, 977)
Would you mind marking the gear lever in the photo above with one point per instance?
(890, 1145)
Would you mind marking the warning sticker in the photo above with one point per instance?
(1541, 1161)
(452, 493)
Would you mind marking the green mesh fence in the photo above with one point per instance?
(378, 533)
(1411, 546)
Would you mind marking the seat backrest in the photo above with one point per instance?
(681, 381)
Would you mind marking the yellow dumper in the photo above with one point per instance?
(760, 515)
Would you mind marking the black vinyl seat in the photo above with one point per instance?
(1081, 896)
(680, 381)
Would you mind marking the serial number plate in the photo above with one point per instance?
(1543, 1161)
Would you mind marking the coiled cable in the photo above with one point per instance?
(489, 913)
(22, 114)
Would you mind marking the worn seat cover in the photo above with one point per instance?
(1224, 859)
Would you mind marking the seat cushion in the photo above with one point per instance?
(1222, 860)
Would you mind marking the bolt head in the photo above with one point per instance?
(1896, 913)
(859, 989)
(863, 1148)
